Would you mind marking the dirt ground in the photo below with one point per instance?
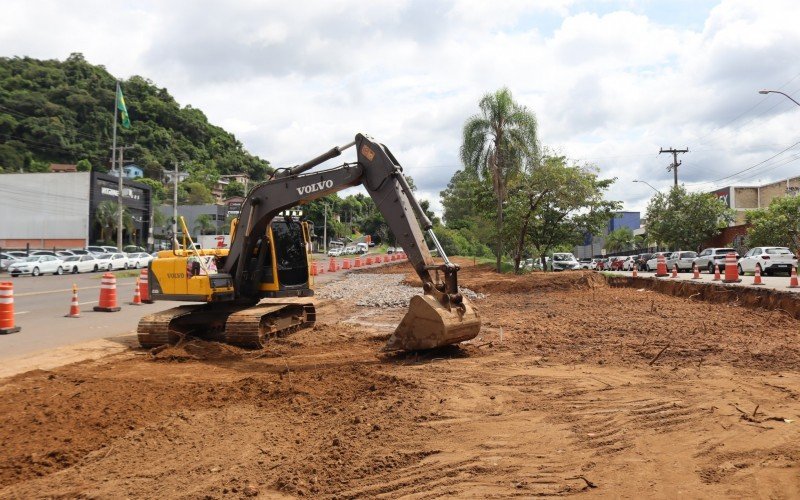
(573, 388)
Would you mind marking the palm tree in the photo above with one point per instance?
(496, 143)
(204, 224)
(620, 239)
(107, 215)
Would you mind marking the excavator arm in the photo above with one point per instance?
(441, 315)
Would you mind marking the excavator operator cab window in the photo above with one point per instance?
(290, 252)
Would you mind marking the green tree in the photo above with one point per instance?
(107, 216)
(555, 206)
(496, 144)
(83, 165)
(685, 220)
(234, 188)
(194, 193)
(776, 225)
(157, 192)
(204, 224)
(620, 240)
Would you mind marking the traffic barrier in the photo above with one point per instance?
(137, 297)
(793, 280)
(346, 264)
(332, 265)
(757, 278)
(394, 257)
(314, 268)
(635, 273)
(385, 259)
(357, 262)
(731, 269)
(696, 272)
(7, 308)
(74, 307)
(144, 290)
(674, 271)
(369, 261)
(108, 294)
(661, 266)
(717, 276)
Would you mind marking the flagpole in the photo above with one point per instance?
(119, 171)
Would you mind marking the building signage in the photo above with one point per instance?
(126, 192)
(234, 208)
(724, 195)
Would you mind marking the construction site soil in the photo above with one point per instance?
(573, 387)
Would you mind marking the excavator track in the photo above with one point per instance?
(251, 327)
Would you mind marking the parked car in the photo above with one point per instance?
(80, 264)
(585, 263)
(684, 260)
(565, 262)
(390, 250)
(139, 259)
(44, 252)
(335, 252)
(651, 264)
(111, 261)
(96, 250)
(641, 260)
(629, 263)
(36, 265)
(109, 249)
(61, 254)
(350, 250)
(769, 259)
(708, 259)
(6, 259)
(79, 251)
(616, 263)
(132, 249)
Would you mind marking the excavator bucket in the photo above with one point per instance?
(429, 324)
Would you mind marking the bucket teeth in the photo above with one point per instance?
(428, 325)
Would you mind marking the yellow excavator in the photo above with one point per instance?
(260, 286)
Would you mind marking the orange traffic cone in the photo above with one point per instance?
(314, 268)
(369, 261)
(635, 272)
(144, 290)
(696, 272)
(108, 294)
(731, 269)
(674, 271)
(332, 265)
(74, 308)
(7, 308)
(661, 266)
(757, 278)
(385, 259)
(357, 262)
(793, 280)
(346, 264)
(717, 276)
(137, 297)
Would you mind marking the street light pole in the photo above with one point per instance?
(645, 182)
(779, 92)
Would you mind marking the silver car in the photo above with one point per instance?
(708, 259)
(684, 260)
(564, 262)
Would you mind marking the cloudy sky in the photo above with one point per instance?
(611, 82)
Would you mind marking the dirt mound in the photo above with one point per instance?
(484, 279)
(199, 350)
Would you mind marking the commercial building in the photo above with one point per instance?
(594, 244)
(46, 210)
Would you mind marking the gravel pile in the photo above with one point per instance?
(385, 290)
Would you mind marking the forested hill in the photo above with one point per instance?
(62, 112)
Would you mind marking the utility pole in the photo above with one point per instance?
(675, 162)
(325, 229)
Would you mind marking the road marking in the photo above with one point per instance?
(30, 294)
(21, 312)
(90, 302)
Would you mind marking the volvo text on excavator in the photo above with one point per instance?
(260, 286)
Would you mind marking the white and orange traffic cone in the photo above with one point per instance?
(7, 308)
(144, 289)
(696, 272)
(717, 276)
(674, 271)
(635, 273)
(793, 280)
(757, 278)
(731, 269)
(137, 297)
(74, 307)
(661, 266)
(108, 294)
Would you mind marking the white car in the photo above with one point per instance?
(139, 259)
(111, 261)
(335, 252)
(36, 265)
(652, 264)
(80, 264)
(6, 259)
(350, 250)
(769, 259)
(629, 263)
(684, 261)
(95, 250)
(564, 262)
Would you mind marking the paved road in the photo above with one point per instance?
(776, 282)
(41, 303)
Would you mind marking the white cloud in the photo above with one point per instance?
(610, 82)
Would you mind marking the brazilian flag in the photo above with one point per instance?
(126, 121)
